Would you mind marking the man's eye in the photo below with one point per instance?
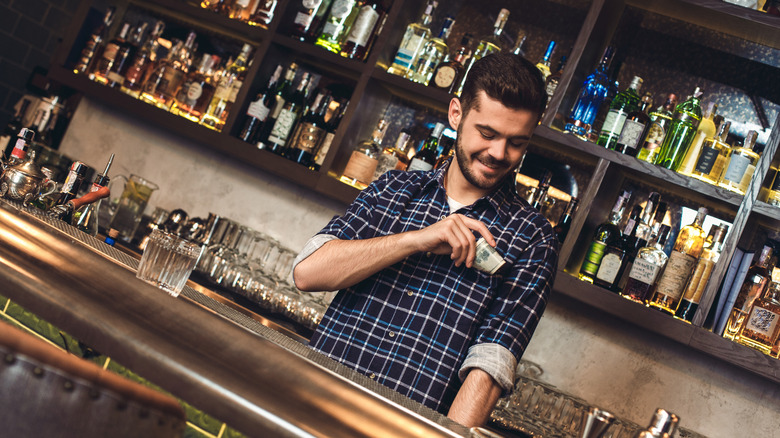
(486, 135)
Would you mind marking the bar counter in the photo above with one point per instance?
(240, 369)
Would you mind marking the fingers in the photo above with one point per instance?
(464, 248)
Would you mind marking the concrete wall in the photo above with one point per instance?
(605, 361)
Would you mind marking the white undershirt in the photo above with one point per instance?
(454, 205)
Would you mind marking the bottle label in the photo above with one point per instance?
(282, 127)
(593, 257)
(386, 162)
(418, 164)
(644, 271)
(364, 24)
(551, 86)
(309, 137)
(242, 3)
(234, 89)
(330, 29)
(763, 321)
(610, 265)
(278, 105)
(655, 136)
(109, 53)
(631, 134)
(743, 185)
(737, 167)
(323, 152)
(113, 76)
(676, 274)
(444, 76)
(19, 150)
(303, 19)
(311, 4)
(194, 91)
(408, 50)
(706, 161)
(222, 92)
(341, 8)
(613, 123)
(360, 167)
(258, 110)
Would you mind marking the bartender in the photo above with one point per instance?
(413, 312)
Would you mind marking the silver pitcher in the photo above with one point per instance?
(25, 181)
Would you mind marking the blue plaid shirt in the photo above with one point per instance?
(411, 325)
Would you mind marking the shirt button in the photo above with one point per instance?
(391, 334)
(372, 376)
(409, 292)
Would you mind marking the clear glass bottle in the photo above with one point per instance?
(615, 256)
(308, 17)
(393, 157)
(592, 94)
(635, 128)
(762, 326)
(742, 165)
(369, 21)
(687, 249)
(713, 156)
(412, 42)
(145, 57)
(686, 120)
(649, 262)
(339, 21)
(544, 64)
(660, 121)
(706, 130)
(606, 234)
(755, 284)
(487, 45)
(425, 158)
(431, 55)
(624, 103)
(646, 230)
(449, 73)
(362, 163)
(701, 273)
(226, 91)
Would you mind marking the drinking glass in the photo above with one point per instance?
(131, 206)
(167, 261)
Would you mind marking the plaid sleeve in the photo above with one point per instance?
(522, 296)
(356, 222)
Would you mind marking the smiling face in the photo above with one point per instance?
(492, 140)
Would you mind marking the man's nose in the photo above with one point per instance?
(497, 149)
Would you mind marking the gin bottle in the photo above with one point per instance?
(624, 103)
(686, 120)
(660, 120)
(742, 165)
(606, 234)
(590, 98)
(713, 157)
(412, 42)
(706, 130)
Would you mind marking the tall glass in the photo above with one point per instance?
(131, 206)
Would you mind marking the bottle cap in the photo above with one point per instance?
(664, 423)
(113, 233)
(27, 134)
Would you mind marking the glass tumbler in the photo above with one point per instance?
(167, 261)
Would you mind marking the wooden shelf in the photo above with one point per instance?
(320, 55)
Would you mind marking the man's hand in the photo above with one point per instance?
(453, 236)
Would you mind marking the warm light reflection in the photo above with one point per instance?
(552, 192)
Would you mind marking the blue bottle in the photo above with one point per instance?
(592, 94)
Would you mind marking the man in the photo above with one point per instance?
(412, 312)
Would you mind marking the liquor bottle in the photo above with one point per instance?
(518, 49)
(143, 59)
(310, 131)
(487, 45)
(544, 64)
(278, 97)
(412, 42)
(606, 234)
(635, 127)
(19, 152)
(155, 86)
(364, 159)
(561, 228)
(94, 43)
(660, 121)
(257, 111)
(85, 218)
(551, 84)
(294, 103)
(393, 157)
(706, 130)
(713, 157)
(448, 151)
(263, 14)
(616, 254)
(370, 19)
(425, 158)
(115, 77)
(592, 94)
(649, 262)
(176, 71)
(761, 328)
(540, 195)
(196, 90)
(226, 91)
(431, 55)
(701, 273)
(340, 18)
(449, 73)
(308, 16)
(106, 60)
(753, 287)
(56, 206)
(624, 103)
(330, 133)
(686, 120)
(644, 229)
(687, 249)
(742, 164)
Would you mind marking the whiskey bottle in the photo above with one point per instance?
(196, 90)
(762, 327)
(561, 228)
(606, 234)
(706, 130)
(393, 157)
(308, 17)
(589, 99)
(287, 117)
(155, 85)
(340, 18)
(362, 163)
(433, 52)
(425, 158)
(701, 273)
(369, 21)
(330, 133)
(686, 120)
(635, 128)
(687, 249)
(755, 284)
(544, 64)
(257, 111)
(412, 42)
(649, 262)
(660, 121)
(624, 103)
(742, 164)
(487, 45)
(449, 73)
(145, 57)
(226, 91)
(263, 14)
(107, 57)
(94, 43)
(310, 131)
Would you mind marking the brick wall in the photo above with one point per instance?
(30, 31)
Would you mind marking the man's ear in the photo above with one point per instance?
(455, 113)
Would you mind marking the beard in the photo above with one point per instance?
(465, 164)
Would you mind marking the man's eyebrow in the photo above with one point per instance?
(490, 130)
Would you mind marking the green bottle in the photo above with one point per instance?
(624, 103)
(606, 234)
(687, 116)
(338, 24)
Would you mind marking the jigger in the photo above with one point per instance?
(595, 423)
